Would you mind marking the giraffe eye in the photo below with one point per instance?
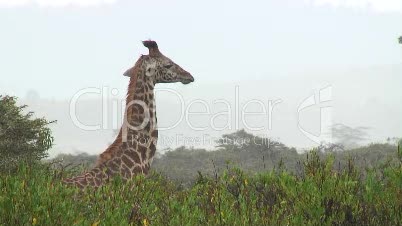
(168, 66)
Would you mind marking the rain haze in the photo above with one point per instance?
(287, 70)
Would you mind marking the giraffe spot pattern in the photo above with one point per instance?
(129, 163)
(133, 155)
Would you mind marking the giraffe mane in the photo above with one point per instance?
(133, 73)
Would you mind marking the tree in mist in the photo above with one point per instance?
(236, 141)
(393, 140)
(349, 137)
(400, 40)
(22, 137)
(243, 141)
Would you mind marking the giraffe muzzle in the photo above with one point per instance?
(187, 79)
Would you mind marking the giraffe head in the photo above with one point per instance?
(159, 68)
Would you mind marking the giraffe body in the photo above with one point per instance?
(134, 148)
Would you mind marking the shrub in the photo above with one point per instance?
(321, 196)
(22, 138)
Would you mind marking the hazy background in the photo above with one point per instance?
(270, 50)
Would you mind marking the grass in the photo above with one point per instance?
(319, 195)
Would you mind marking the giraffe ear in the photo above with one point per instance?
(152, 47)
(134, 70)
(130, 72)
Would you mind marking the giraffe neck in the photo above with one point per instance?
(139, 135)
(141, 111)
(139, 132)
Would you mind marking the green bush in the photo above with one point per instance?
(22, 138)
(318, 195)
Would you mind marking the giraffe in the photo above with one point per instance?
(134, 148)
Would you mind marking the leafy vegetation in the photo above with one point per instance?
(318, 195)
(22, 138)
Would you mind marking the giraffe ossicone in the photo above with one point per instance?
(134, 148)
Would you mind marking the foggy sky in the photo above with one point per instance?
(271, 50)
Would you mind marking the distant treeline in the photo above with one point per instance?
(184, 164)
